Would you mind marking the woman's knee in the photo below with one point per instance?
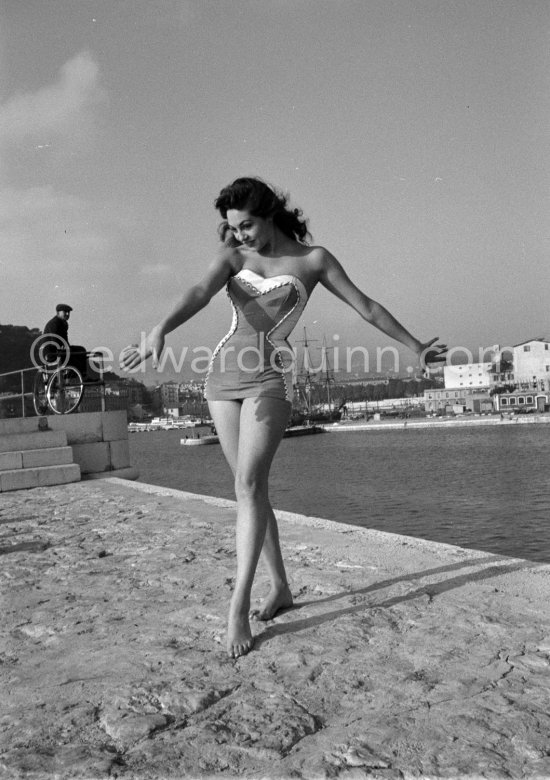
(249, 486)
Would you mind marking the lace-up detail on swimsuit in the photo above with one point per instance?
(254, 358)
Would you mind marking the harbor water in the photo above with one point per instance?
(485, 488)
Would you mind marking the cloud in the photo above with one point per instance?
(57, 244)
(49, 239)
(39, 223)
(61, 109)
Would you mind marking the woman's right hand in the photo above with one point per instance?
(134, 354)
(432, 355)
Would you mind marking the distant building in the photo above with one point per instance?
(191, 388)
(351, 380)
(468, 375)
(502, 373)
(532, 365)
(519, 401)
(170, 394)
(458, 400)
(383, 405)
(520, 384)
(137, 394)
(466, 390)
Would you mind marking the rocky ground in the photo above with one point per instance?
(402, 658)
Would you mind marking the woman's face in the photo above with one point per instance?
(252, 232)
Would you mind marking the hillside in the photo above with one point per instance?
(15, 347)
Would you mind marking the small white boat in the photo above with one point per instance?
(135, 427)
(210, 439)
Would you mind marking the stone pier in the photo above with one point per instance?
(401, 658)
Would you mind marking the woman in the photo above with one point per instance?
(270, 272)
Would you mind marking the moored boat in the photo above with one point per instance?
(302, 430)
(209, 439)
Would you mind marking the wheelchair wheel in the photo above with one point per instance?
(39, 395)
(65, 390)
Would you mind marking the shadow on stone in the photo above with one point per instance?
(431, 591)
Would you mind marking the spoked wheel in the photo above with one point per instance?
(65, 390)
(39, 396)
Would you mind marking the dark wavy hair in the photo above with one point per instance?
(262, 200)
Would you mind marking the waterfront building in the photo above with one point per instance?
(467, 389)
(532, 365)
(382, 405)
(457, 400)
(522, 401)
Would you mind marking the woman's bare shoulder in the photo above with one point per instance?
(319, 258)
(229, 257)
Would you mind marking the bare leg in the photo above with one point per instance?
(249, 442)
(227, 421)
(279, 596)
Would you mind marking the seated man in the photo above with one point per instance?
(58, 327)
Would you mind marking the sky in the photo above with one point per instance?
(414, 134)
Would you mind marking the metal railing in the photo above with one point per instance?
(17, 391)
(18, 379)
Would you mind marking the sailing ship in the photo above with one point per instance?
(309, 387)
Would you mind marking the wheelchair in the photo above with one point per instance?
(59, 386)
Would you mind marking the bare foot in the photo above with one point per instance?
(277, 599)
(239, 635)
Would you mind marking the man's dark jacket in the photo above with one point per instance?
(59, 327)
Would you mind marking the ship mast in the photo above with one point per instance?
(305, 375)
(329, 376)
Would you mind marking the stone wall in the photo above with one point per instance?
(99, 440)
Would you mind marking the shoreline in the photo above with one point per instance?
(401, 657)
(467, 422)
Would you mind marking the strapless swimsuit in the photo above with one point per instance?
(254, 358)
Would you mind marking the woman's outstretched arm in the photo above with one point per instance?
(192, 301)
(334, 278)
